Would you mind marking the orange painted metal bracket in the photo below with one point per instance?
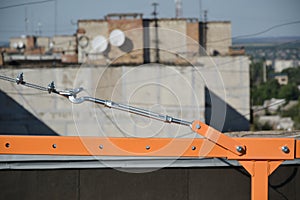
(218, 138)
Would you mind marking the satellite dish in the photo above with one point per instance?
(20, 45)
(117, 38)
(99, 44)
(15, 45)
(51, 45)
(83, 41)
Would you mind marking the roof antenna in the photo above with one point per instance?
(178, 8)
(155, 13)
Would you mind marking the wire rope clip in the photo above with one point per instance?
(51, 87)
(20, 78)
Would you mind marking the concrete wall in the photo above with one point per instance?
(176, 91)
(175, 184)
(218, 37)
(43, 42)
(171, 39)
(192, 31)
(64, 44)
(178, 41)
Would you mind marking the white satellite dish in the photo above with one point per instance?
(15, 45)
(51, 44)
(20, 45)
(99, 44)
(117, 38)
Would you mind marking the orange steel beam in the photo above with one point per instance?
(257, 148)
(259, 178)
(260, 171)
(261, 156)
(297, 149)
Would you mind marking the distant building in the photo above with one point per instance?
(44, 42)
(258, 110)
(273, 104)
(93, 39)
(150, 40)
(127, 38)
(280, 65)
(66, 46)
(285, 123)
(46, 49)
(177, 40)
(277, 123)
(26, 45)
(237, 50)
(282, 79)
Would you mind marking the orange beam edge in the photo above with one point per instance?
(256, 148)
(297, 152)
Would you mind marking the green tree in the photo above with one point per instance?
(265, 91)
(293, 74)
(271, 89)
(256, 73)
(289, 92)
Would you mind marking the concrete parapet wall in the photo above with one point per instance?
(176, 91)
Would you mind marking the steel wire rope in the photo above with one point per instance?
(25, 4)
(258, 33)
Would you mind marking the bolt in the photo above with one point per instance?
(54, 146)
(239, 149)
(193, 148)
(285, 149)
(101, 146)
(147, 147)
(51, 87)
(7, 145)
(198, 126)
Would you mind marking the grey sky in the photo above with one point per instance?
(247, 17)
